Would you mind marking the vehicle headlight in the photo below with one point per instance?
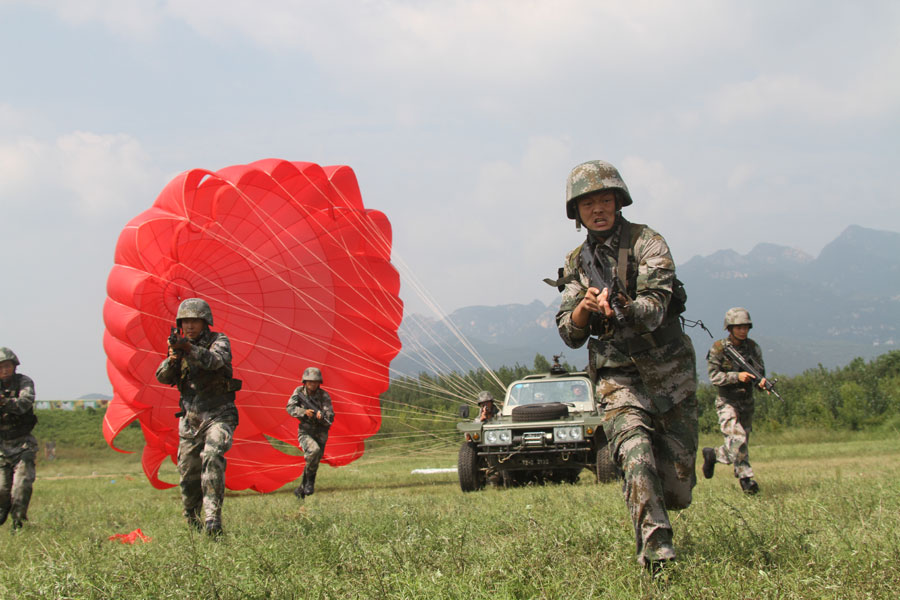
(498, 437)
(567, 434)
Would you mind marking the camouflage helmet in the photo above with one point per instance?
(312, 374)
(194, 308)
(7, 354)
(593, 176)
(737, 316)
(484, 397)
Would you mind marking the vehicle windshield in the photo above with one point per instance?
(574, 392)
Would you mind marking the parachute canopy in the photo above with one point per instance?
(297, 273)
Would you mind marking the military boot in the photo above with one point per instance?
(749, 486)
(214, 528)
(310, 485)
(709, 462)
(4, 512)
(16, 524)
(194, 522)
(656, 567)
(300, 492)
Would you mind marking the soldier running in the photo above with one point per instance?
(639, 357)
(199, 364)
(312, 406)
(734, 404)
(18, 448)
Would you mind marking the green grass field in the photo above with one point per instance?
(824, 526)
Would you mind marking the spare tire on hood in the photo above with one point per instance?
(548, 411)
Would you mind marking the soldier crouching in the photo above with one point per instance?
(199, 364)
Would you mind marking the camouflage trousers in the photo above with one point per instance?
(313, 444)
(656, 453)
(16, 476)
(736, 422)
(201, 463)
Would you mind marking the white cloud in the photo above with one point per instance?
(20, 159)
(740, 175)
(94, 174)
(126, 18)
(872, 90)
(104, 171)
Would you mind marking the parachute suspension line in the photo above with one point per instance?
(370, 233)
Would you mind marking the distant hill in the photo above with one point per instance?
(95, 397)
(807, 311)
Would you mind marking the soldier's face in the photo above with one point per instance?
(7, 368)
(311, 386)
(598, 210)
(192, 328)
(740, 332)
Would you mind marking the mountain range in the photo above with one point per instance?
(806, 310)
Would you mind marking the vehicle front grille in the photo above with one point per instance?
(533, 438)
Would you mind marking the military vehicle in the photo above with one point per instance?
(549, 429)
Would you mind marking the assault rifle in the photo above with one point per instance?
(305, 403)
(750, 367)
(597, 280)
(174, 340)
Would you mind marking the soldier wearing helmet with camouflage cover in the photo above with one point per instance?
(734, 404)
(641, 360)
(18, 448)
(199, 364)
(312, 406)
(487, 409)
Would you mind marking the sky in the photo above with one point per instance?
(733, 123)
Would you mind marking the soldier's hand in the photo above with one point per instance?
(173, 353)
(183, 345)
(744, 377)
(596, 301)
(762, 385)
(310, 413)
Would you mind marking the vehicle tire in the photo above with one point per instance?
(539, 412)
(606, 468)
(471, 477)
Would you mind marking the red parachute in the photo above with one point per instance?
(297, 273)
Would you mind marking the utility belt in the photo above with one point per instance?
(638, 343)
(196, 404)
(618, 354)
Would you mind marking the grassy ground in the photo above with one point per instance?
(824, 526)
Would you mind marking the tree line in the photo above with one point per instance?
(860, 395)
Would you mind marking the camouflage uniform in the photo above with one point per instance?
(734, 404)
(206, 428)
(18, 448)
(313, 432)
(646, 382)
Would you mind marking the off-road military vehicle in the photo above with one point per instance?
(548, 430)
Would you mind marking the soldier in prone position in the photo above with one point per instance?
(312, 406)
(641, 360)
(199, 364)
(18, 448)
(734, 404)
